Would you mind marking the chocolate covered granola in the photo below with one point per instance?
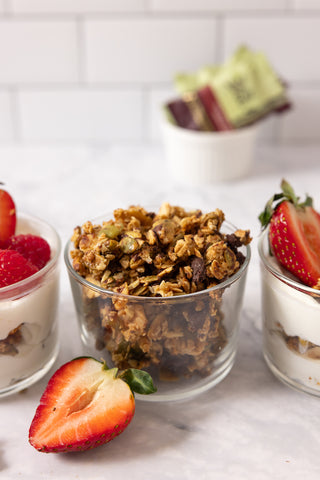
(166, 255)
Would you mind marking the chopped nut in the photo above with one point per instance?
(111, 231)
(128, 245)
(165, 230)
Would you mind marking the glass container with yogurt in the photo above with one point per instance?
(291, 324)
(28, 327)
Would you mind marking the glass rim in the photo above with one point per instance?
(278, 274)
(29, 281)
(184, 297)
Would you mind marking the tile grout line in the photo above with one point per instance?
(220, 35)
(81, 50)
(6, 7)
(119, 86)
(289, 11)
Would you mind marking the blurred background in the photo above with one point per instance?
(94, 72)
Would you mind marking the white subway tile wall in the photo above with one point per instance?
(38, 51)
(76, 6)
(157, 97)
(289, 42)
(81, 115)
(99, 71)
(148, 50)
(307, 4)
(6, 126)
(218, 5)
(306, 106)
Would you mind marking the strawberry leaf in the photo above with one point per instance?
(288, 192)
(138, 380)
(288, 195)
(269, 209)
(308, 202)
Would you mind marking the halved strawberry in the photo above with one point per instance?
(294, 234)
(7, 217)
(85, 405)
(34, 248)
(14, 267)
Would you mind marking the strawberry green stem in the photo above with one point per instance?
(287, 194)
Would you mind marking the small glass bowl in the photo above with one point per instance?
(187, 342)
(291, 325)
(28, 328)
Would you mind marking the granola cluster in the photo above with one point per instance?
(298, 345)
(9, 345)
(168, 254)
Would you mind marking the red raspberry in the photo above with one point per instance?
(33, 248)
(14, 267)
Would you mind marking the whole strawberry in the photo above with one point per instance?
(34, 248)
(7, 217)
(86, 405)
(14, 268)
(294, 234)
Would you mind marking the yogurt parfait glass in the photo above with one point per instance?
(186, 342)
(28, 326)
(291, 325)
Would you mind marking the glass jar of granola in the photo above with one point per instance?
(161, 292)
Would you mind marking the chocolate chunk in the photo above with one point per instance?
(233, 242)
(198, 270)
(240, 257)
(196, 321)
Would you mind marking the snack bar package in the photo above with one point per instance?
(238, 93)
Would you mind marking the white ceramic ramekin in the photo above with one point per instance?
(199, 158)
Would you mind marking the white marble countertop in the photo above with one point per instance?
(250, 426)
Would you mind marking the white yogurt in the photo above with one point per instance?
(37, 312)
(34, 312)
(286, 312)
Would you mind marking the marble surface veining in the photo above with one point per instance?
(250, 426)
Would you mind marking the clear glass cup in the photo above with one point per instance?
(187, 342)
(28, 327)
(291, 325)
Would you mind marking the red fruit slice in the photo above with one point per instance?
(7, 217)
(33, 248)
(83, 406)
(14, 267)
(294, 234)
(295, 241)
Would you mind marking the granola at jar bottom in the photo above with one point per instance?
(145, 266)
